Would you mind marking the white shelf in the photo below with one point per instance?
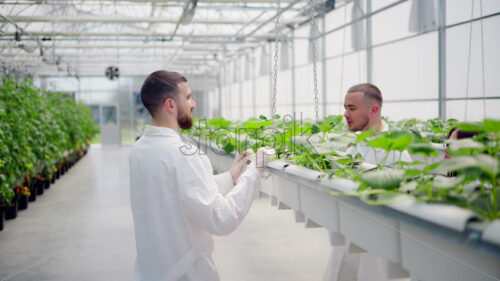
(430, 241)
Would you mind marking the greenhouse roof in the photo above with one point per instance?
(57, 37)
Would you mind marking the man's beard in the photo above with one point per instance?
(184, 120)
(362, 126)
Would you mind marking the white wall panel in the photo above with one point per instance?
(460, 10)
(457, 51)
(407, 69)
(301, 45)
(391, 24)
(476, 109)
(406, 110)
(304, 84)
(284, 88)
(354, 72)
(262, 91)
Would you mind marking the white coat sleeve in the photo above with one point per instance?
(224, 182)
(203, 204)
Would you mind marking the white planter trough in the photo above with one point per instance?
(287, 192)
(321, 208)
(433, 258)
(492, 233)
(267, 185)
(374, 233)
(445, 215)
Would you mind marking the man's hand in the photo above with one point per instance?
(239, 161)
(264, 155)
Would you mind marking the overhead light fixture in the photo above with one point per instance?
(189, 8)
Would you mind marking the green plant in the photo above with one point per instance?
(36, 129)
(322, 147)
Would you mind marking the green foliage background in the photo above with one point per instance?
(36, 128)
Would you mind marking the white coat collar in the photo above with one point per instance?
(160, 131)
(385, 127)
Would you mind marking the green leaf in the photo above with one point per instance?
(401, 143)
(470, 127)
(457, 163)
(408, 186)
(412, 172)
(315, 129)
(482, 162)
(441, 182)
(384, 179)
(380, 142)
(488, 164)
(491, 125)
(364, 135)
(425, 149)
(465, 146)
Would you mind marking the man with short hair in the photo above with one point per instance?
(177, 202)
(363, 106)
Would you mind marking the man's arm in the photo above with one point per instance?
(203, 204)
(224, 182)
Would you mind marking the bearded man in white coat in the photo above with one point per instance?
(177, 202)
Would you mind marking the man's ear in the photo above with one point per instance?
(169, 105)
(375, 109)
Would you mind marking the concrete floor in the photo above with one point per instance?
(82, 229)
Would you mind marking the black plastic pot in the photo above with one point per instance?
(58, 173)
(33, 193)
(40, 188)
(2, 211)
(22, 204)
(11, 212)
(46, 184)
(33, 190)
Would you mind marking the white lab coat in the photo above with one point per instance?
(368, 153)
(360, 265)
(177, 204)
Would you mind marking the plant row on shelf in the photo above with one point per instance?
(323, 146)
(42, 134)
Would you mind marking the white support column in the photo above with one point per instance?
(369, 50)
(442, 58)
(323, 65)
(294, 106)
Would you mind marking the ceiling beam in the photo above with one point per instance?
(117, 46)
(118, 19)
(166, 1)
(50, 34)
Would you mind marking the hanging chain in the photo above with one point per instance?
(275, 78)
(315, 70)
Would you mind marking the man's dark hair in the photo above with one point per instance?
(371, 91)
(461, 134)
(159, 86)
